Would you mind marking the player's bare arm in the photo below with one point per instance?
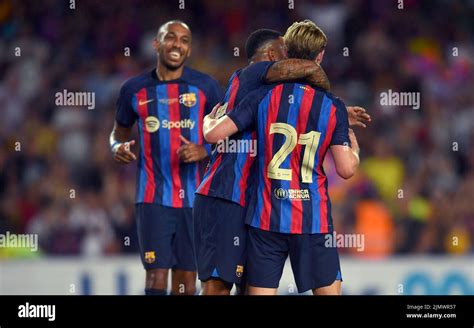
(288, 70)
(190, 152)
(120, 144)
(346, 158)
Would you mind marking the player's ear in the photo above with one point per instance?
(319, 57)
(156, 44)
(272, 54)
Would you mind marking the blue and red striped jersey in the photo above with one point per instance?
(164, 111)
(228, 172)
(295, 126)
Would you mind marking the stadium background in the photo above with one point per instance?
(412, 198)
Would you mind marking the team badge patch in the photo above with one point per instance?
(150, 257)
(239, 271)
(188, 99)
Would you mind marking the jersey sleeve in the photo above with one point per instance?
(256, 72)
(245, 114)
(340, 135)
(214, 94)
(125, 115)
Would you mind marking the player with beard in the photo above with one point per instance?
(168, 103)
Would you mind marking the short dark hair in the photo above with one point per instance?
(162, 28)
(257, 39)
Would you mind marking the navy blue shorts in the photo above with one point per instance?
(220, 238)
(165, 235)
(314, 265)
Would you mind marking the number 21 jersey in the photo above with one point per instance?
(296, 124)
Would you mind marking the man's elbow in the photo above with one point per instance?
(347, 171)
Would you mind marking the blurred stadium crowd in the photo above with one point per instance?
(415, 189)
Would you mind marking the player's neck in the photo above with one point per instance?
(165, 74)
(260, 58)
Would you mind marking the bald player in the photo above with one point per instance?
(169, 104)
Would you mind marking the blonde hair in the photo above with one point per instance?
(304, 40)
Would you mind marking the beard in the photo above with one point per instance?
(172, 67)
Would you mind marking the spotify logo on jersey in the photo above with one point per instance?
(152, 124)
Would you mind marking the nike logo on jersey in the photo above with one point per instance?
(141, 103)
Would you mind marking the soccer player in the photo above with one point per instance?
(169, 104)
(220, 232)
(290, 212)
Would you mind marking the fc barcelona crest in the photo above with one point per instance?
(239, 270)
(188, 99)
(150, 257)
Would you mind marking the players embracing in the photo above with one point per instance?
(220, 203)
(289, 211)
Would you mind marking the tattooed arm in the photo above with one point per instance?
(288, 70)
